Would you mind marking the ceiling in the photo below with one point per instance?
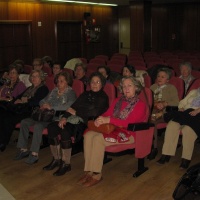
(126, 2)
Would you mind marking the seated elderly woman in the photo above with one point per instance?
(80, 73)
(126, 109)
(59, 99)
(89, 104)
(127, 70)
(12, 86)
(186, 121)
(105, 71)
(21, 106)
(165, 94)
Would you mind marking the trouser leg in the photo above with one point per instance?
(66, 147)
(37, 136)
(171, 138)
(24, 133)
(189, 137)
(88, 148)
(55, 148)
(97, 153)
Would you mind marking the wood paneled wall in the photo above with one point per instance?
(43, 37)
(182, 20)
(153, 26)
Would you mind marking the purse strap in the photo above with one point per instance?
(147, 102)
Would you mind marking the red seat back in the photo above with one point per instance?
(78, 87)
(180, 86)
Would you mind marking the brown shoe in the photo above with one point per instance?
(84, 178)
(92, 181)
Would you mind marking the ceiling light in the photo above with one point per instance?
(84, 2)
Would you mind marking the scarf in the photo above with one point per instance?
(123, 114)
(158, 93)
(196, 101)
(30, 92)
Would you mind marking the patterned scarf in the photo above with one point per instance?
(196, 100)
(30, 92)
(158, 93)
(123, 114)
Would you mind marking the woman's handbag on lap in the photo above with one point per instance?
(43, 115)
(104, 128)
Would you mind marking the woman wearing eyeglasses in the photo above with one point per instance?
(21, 106)
(89, 104)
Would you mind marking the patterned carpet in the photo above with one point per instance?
(4, 194)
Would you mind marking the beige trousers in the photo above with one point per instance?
(171, 140)
(94, 148)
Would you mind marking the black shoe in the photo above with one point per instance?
(163, 159)
(2, 147)
(63, 168)
(184, 164)
(54, 163)
(153, 154)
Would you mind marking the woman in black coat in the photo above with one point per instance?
(90, 104)
(21, 107)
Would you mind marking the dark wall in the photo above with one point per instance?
(176, 26)
(44, 37)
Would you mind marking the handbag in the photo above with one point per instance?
(103, 128)
(74, 119)
(43, 115)
(171, 112)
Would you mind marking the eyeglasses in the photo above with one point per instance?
(36, 65)
(35, 76)
(95, 82)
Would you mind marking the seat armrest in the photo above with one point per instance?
(143, 136)
(140, 126)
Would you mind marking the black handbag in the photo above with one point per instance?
(171, 112)
(43, 115)
(188, 188)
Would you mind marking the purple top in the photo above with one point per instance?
(19, 88)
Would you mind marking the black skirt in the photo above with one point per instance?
(184, 118)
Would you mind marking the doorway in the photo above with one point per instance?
(124, 35)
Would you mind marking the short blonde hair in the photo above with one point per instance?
(137, 84)
(41, 75)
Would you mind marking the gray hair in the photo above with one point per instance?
(167, 71)
(82, 65)
(137, 84)
(187, 64)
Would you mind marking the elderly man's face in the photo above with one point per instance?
(185, 71)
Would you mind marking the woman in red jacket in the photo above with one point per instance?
(126, 109)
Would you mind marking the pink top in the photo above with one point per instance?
(137, 115)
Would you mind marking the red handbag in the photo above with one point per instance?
(104, 128)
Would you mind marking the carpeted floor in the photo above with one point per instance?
(4, 194)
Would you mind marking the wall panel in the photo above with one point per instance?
(44, 37)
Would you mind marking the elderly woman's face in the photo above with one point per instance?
(79, 73)
(185, 71)
(37, 65)
(36, 79)
(162, 78)
(13, 75)
(95, 84)
(103, 72)
(128, 88)
(126, 72)
(56, 69)
(62, 83)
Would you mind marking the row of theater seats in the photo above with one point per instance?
(143, 137)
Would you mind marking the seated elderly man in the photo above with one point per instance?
(185, 69)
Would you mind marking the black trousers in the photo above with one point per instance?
(69, 131)
(8, 121)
